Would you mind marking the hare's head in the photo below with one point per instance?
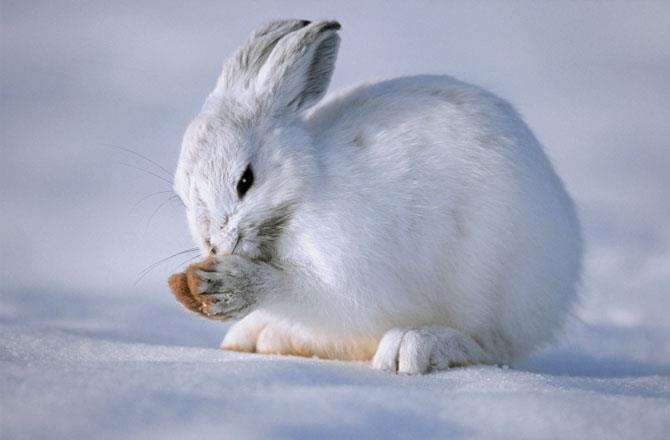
(246, 161)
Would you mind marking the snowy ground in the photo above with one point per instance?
(86, 353)
(112, 376)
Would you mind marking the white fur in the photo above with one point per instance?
(424, 209)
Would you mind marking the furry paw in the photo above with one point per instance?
(216, 289)
(243, 335)
(421, 350)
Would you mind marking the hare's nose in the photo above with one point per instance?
(212, 250)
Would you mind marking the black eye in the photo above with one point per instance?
(245, 182)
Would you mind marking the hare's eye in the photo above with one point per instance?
(245, 182)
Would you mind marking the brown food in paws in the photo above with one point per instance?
(184, 285)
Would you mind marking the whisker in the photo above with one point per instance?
(165, 202)
(152, 266)
(147, 171)
(141, 156)
(148, 197)
(187, 261)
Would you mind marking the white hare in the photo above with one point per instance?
(415, 222)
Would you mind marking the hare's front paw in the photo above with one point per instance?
(225, 291)
(217, 289)
(420, 350)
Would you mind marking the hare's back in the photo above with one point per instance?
(435, 129)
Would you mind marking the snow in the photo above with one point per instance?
(85, 352)
(69, 386)
(116, 372)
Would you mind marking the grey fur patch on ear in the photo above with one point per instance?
(298, 71)
(320, 70)
(243, 67)
(254, 54)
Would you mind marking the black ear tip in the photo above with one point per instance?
(332, 26)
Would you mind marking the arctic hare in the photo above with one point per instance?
(414, 222)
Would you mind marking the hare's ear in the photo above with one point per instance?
(296, 74)
(241, 70)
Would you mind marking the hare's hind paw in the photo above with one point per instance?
(243, 335)
(425, 349)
